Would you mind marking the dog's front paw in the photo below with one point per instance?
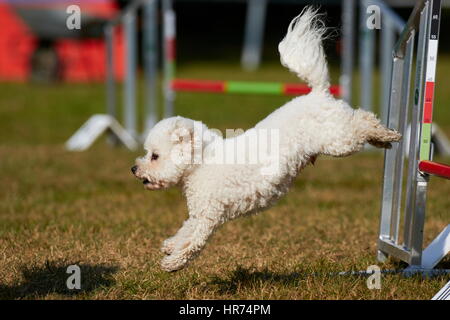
(173, 263)
(168, 246)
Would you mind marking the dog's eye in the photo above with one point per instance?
(154, 156)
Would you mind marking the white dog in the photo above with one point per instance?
(184, 152)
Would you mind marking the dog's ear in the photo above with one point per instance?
(183, 131)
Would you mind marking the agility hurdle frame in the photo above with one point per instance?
(99, 123)
(424, 21)
(129, 136)
(128, 19)
(172, 84)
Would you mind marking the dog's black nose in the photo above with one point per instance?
(134, 169)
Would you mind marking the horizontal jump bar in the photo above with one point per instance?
(244, 87)
(434, 168)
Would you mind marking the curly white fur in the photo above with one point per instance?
(308, 126)
(301, 50)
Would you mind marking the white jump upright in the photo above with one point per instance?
(424, 22)
(150, 59)
(444, 293)
(391, 26)
(99, 123)
(348, 44)
(253, 34)
(169, 43)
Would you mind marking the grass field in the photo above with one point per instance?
(59, 208)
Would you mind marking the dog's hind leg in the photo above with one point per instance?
(187, 248)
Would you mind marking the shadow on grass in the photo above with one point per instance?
(246, 278)
(39, 281)
(249, 278)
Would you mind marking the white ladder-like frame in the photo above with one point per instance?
(424, 20)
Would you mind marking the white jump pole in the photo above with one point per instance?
(150, 55)
(169, 44)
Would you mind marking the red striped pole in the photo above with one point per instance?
(435, 168)
(244, 87)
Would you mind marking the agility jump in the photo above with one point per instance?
(424, 22)
(173, 84)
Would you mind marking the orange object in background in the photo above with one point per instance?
(80, 60)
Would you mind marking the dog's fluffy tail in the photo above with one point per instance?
(301, 49)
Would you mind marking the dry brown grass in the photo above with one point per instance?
(59, 208)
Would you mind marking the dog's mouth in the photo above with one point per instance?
(151, 185)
